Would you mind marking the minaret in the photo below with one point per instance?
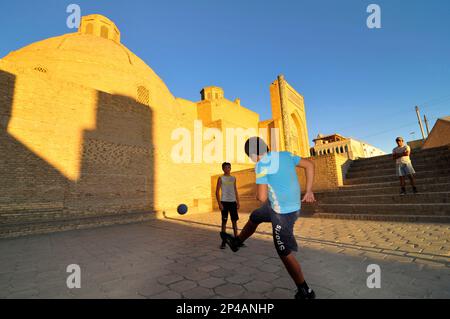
(211, 93)
(284, 114)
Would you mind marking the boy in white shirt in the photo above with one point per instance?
(403, 165)
(229, 199)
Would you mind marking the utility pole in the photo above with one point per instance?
(420, 122)
(426, 124)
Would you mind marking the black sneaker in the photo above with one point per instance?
(415, 191)
(231, 241)
(303, 294)
(403, 192)
(223, 245)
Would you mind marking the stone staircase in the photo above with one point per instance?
(371, 191)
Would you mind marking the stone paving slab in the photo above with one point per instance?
(180, 258)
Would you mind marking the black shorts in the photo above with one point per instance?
(282, 227)
(230, 207)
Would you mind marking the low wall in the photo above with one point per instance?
(330, 171)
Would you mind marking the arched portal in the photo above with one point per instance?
(300, 143)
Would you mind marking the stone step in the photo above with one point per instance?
(387, 218)
(428, 198)
(394, 177)
(388, 158)
(391, 169)
(386, 190)
(393, 183)
(44, 227)
(342, 197)
(19, 217)
(354, 167)
(380, 209)
(415, 154)
(381, 212)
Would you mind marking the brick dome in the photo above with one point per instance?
(93, 57)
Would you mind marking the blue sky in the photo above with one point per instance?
(356, 81)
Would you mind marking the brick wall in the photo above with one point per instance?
(69, 149)
(330, 172)
(245, 183)
(66, 149)
(439, 135)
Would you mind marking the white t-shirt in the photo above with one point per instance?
(228, 194)
(401, 150)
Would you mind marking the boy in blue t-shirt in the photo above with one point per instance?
(279, 191)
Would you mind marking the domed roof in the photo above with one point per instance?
(92, 57)
(95, 48)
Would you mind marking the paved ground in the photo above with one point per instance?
(179, 258)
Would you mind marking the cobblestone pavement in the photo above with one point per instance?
(180, 258)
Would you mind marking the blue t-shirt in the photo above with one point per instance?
(277, 170)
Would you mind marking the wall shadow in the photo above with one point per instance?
(117, 167)
(28, 183)
(116, 170)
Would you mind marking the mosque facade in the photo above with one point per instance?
(87, 128)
